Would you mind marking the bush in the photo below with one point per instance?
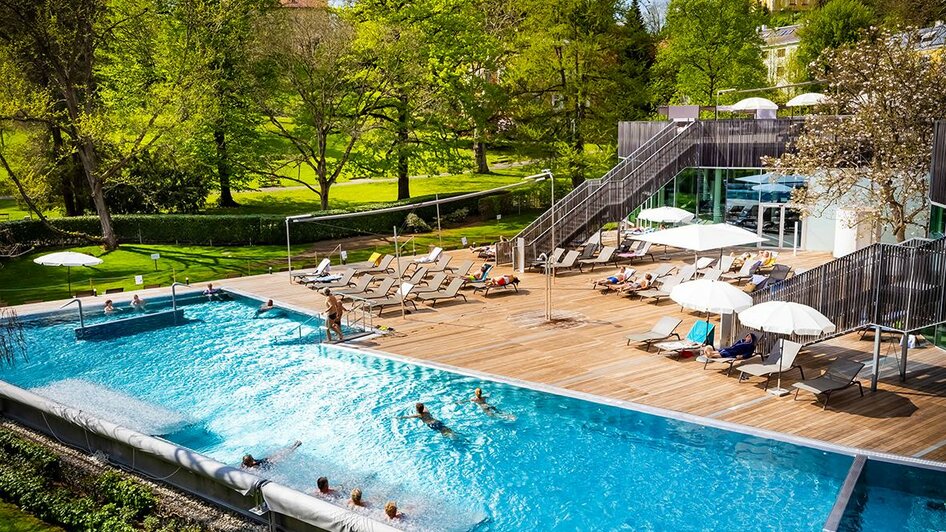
(415, 224)
(221, 229)
(458, 216)
(127, 493)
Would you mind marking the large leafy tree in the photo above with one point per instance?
(837, 23)
(109, 78)
(876, 155)
(571, 71)
(710, 45)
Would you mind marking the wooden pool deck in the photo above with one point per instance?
(584, 349)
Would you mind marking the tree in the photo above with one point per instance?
(910, 13)
(839, 22)
(710, 45)
(325, 92)
(108, 76)
(879, 156)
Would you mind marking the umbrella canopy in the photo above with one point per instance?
(700, 237)
(708, 296)
(784, 317)
(754, 104)
(769, 177)
(671, 215)
(809, 98)
(68, 259)
(772, 187)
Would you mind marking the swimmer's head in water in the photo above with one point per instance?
(322, 484)
(420, 408)
(356, 496)
(210, 286)
(478, 392)
(390, 509)
(269, 303)
(248, 460)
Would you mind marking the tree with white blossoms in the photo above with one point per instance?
(873, 146)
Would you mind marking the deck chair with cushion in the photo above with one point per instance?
(663, 329)
(382, 267)
(700, 334)
(539, 264)
(452, 291)
(320, 270)
(606, 256)
(331, 281)
(399, 297)
(783, 358)
(839, 375)
(433, 256)
(660, 292)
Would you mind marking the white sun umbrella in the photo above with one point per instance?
(708, 296)
(702, 237)
(769, 177)
(68, 259)
(754, 104)
(807, 99)
(785, 317)
(665, 215)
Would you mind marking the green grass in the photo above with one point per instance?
(12, 519)
(23, 280)
(357, 193)
(14, 211)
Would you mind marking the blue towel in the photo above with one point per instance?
(740, 349)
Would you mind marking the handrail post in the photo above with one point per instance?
(81, 316)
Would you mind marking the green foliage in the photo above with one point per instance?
(126, 493)
(457, 217)
(838, 23)
(415, 224)
(158, 184)
(710, 45)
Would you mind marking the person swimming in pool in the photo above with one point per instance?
(266, 307)
(488, 409)
(435, 424)
(265, 463)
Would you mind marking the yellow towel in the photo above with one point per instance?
(375, 258)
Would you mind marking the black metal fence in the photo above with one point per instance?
(938, 172)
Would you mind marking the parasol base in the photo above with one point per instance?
(779, 392)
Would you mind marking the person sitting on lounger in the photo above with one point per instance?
(740, 350)
(618, 278)
(637, 283)
(435, 424)
(739, 260)
(502, 280)
(265, 463)
(266, 307)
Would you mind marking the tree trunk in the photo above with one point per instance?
(223, 170)
(90, 165)
(479, 153)
(403, 163)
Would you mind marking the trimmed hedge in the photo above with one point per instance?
(511, 202)
(224, 229)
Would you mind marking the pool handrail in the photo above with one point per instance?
(81, 316)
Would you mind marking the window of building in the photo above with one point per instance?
(780, 71)
(780, 52)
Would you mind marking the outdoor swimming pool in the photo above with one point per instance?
(225, 384)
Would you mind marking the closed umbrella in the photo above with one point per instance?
(68, 259)
(785, 317)
(671, 215)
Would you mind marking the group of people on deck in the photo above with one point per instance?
(623, 282)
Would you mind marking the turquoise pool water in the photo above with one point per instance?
(226, 384)
(892, 498)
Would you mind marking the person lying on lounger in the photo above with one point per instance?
(502, 280)
(265, 463)
(618, 278)
(435, 424)
(740, 350)
(635, 284)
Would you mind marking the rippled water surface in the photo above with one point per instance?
(549, 463)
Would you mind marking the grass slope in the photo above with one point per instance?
(12, 519)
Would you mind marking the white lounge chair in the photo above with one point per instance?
(433, 256)
(320, 270)
(663, 329)
(341, 281)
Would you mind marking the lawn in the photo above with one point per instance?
(12, 519)
(203, 263)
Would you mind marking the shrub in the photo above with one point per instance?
(127, 493)
(415, 224)
(458, 216)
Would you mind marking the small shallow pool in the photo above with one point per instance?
(226, 383)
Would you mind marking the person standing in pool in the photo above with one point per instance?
(333, 321)
(487, 408)
(109, 308)
(322, 487)
(137, 303)
(265, 463)
(435, 424)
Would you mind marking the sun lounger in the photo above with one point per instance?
(687, 273)
(588, 251)
(663, 291)
(606, 256)
(361, 286)
(663, 329)
(783, 360)
(441, 264)
(704, 262)
(483, 276)
(432, 286)
(487, 286)
(744, 273)
(731, 361)
(433, 256)
(712, 274)
(701, 333)
(555, 257)
(461, 270)
(569, 262)
(376, 293)
(317, 272)
(839, 375)
(344, 279)
(638, 253)
(399, 297)
(725, 264)
(452, 291)
(661, 271)
(383, 267)
(779, 273)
